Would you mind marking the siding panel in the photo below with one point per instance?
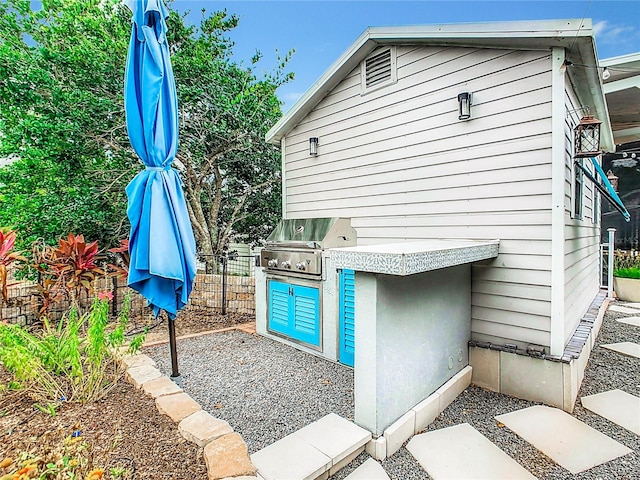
(400, 164)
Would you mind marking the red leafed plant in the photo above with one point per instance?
(121, 270)
(7, 257)
(74, 261)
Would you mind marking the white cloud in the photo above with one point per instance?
(599, 27)
(610, 34)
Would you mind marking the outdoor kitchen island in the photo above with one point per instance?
(412, 321)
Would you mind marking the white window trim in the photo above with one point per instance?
(577, 173)
(363, 73)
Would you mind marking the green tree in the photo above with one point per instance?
(62, 118)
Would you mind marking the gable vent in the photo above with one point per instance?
(379, 69)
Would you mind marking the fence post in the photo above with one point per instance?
(612, 236)
(224, 284)
(114, 291)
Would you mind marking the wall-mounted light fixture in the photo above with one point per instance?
(606, 74)
(464, 106)
(313, 146)
(587, 137)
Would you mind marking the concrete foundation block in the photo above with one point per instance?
(426, 412)
(454, 387)
(399, 432)
(377, 448)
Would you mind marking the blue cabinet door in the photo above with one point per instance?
(346, 315)
(294, 311)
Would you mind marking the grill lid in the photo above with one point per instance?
(313, 233)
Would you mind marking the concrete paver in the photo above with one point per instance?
(290, 458)
(635, 321)
(334, 436)
(369, 470)
(625, 348)
(463, 452)
(566, 440)
(621, 309)
(620, 407)
(632, 305)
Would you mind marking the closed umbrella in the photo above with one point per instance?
(161, 244)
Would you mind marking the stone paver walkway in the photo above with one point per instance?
(563, 438)
(635, 321)
(463, 452)
(626, 348)
(620, 407)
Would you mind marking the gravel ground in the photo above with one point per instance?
(267, 390)
(264, 389)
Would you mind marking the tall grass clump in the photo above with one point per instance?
(75, 359)
(626, 265)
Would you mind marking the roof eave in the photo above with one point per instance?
(587, 83)
(540, 35)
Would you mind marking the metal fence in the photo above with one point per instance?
(229, 290)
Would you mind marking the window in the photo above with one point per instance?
(578, 191)
(378, 69)
(596, 207)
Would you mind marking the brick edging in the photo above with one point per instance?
(225, 452)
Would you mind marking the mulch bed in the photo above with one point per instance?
(124, 429)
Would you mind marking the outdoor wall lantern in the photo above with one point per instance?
(587, 137)
(313, 146)
(464, 106)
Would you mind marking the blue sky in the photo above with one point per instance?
(320, 31)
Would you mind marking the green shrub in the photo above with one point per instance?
(75, 360)
(631, 272)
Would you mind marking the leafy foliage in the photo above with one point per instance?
(73, 360)
(626, 264)
(7, 257)
(61, 73)
(62, 123)
(65, 271)
(121, 268)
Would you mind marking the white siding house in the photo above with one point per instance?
(394, 157)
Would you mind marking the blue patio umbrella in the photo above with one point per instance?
(161, 244)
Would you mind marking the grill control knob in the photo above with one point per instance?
(286, 264)
(273, 262)
(300, 266)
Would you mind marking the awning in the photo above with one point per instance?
(605, 188)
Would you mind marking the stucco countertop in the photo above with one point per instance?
(411, 257)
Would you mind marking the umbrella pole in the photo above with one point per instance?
(172, 346)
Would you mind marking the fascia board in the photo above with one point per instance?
(630, 60)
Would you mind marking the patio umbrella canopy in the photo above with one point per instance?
(162, 245)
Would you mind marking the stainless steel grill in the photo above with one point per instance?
(295, 246)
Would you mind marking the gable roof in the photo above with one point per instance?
(576, 35)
